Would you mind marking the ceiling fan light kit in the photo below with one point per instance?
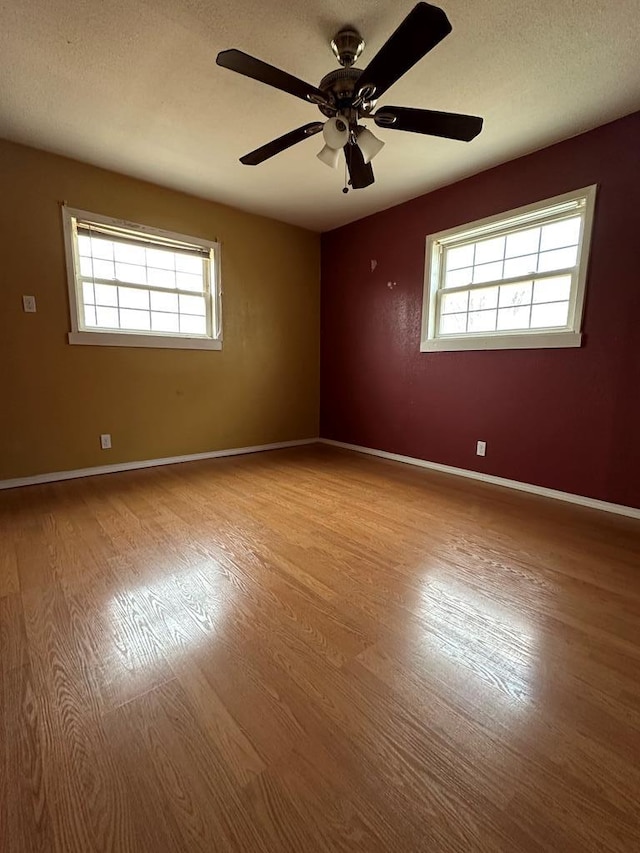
(330, 156)
(348, 95)
(336, 132)
(369, 144)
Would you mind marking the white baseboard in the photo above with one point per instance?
(147, 463)
(592, 503)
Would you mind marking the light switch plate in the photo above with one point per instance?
(29, 304)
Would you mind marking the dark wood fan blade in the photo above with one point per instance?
(360, 173)
(281, 144)
(249, 66)
(431, 122)
(420, 32)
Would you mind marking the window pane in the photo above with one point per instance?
(489, 250)
(189, 263)
(459, 278)
(556, 289)
(161, 278)
(549, 315)
(522, 243)
(131, 272)
(129, 254)
(512, 275)
(164, 301)
(106, 294)
(127, 282)
(107, 317)
(102, 249)
(134, 319)
(84, 245)
(515, 294)
(461, 257)
(192, 305)
(482, 321)
(164, 322)
(453, 324)
(193, 325)
(131, 298)
(565, 233)
(161, 258)
(487, 272)
(186, 281)
(513, 318)
(557, 259)
(452, 303)
(103, 269)
(87, 293)
(482, 299)
(520, 266)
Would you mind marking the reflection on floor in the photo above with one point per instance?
(310, 650)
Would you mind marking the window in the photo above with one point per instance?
(130, 285)
(515, 280)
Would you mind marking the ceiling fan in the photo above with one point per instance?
(348, 95)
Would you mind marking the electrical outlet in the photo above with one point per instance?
(481, 448)
(29, 304)
(105, 441)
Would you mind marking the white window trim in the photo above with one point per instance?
(115, 338)
(569, 336)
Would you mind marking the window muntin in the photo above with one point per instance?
(513, 275)
(131, 280)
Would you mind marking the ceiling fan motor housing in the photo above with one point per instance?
(340, 88)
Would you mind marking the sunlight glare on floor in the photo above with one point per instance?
(492, 644)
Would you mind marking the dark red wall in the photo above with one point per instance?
(567, 419)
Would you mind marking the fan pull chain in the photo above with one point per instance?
(346, 188)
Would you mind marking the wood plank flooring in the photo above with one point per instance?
(311, 650)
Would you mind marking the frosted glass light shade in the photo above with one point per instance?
(330, 156)
(336, 132)
(369, 144)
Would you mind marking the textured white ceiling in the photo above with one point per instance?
(132, 85)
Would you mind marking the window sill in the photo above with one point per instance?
(544, 340)
(116, 339)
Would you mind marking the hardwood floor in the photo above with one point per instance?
(311, 650)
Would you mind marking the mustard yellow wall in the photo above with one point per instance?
(56, 398)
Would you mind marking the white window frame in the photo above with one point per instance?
(503, 223)
(80, 334)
